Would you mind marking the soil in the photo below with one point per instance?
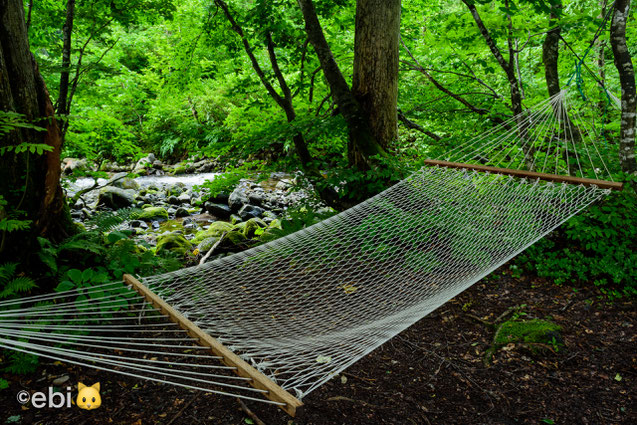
(432, 373)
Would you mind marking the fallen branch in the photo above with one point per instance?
(209, 253)
(250, 413)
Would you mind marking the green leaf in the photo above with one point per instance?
(65, 286)
(75, 275)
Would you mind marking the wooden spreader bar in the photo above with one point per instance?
(292, 406)
(604, 184)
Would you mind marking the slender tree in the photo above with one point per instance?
(28, 182)
(624, 65)
(63, 105)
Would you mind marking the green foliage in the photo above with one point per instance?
(20, 363)
(596, 246)
(4, 384)
(11, 284)
(227, 181)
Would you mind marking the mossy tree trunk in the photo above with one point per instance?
(28, 182)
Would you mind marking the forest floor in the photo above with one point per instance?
(432, 373)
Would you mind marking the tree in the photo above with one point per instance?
(624, 65)
(29, 183)
(375, 81)
(362, 138)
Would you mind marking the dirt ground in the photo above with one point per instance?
(432, 373)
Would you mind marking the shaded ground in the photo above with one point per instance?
(432, 373)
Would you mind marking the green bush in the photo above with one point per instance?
(597, 246)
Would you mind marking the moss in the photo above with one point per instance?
(153, 213)
(171, 226)
(173, 242)
(216, 229)
(205, 245)
(530, 331)
(251, 226)
(234, 238)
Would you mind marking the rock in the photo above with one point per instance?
(138, 224)
(172, 211)
(175, 189)
(233, 238)
(284, 184)
(171, 226)
(71, 164)
(237, 199)
(256, 197)
(126, 183)
(250, 211)
(173, 200)
(116, 198)
(205, 245)
(173, 242)
(220, 198)
(184, 198)
(181, 212)
(251, 226)
(234, 219)
(153, 213)
(142, 164)
(218, 210)
(216, 229)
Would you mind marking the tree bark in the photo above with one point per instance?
(624, 66)
(28, 182)
(63, 106)
(375, 82)
(360, 134)
(550, 54)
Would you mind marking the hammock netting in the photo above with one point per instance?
(303, 308)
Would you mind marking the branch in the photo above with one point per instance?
(410, 124)
(439, 86)
(248, 49)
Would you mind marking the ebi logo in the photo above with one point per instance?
(88, 398)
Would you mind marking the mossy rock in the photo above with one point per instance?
(275, 224)
(534, 331)
(216, 229)
(153, 213)
(234, 238)
(205, 245)
(538, 336)
(171, 226)
(251, 226)
(173, 242)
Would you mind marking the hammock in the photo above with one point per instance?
(275, 322)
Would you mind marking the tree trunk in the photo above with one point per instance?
(28, 182)
(375, 82)
(624, 66)
(360, 134)
(602, 105)
(63, 106)
(550, 54)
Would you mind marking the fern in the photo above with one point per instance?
(11, 285)
(8, 225)
(110, 220)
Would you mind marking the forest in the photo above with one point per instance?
(396, 211)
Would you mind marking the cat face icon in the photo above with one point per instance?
(88, 398)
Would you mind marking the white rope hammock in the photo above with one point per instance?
(303, 308)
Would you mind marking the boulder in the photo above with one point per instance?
(250, 211)
(218, 210)
(145, 162)
(184, 198)
(284, 184)
(173, 242)
(205, 245)
(238, 198)
(257, 197)
(126, 183)
(251, 226)
(181, 212)
(220, 198)
(153, 213)
(71, 164)
(216, 229)
(116, 198)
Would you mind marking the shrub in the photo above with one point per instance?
(597, 246)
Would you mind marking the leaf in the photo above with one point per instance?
(64, 286)
(618, 377)
(75, 275)
(248, 421)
